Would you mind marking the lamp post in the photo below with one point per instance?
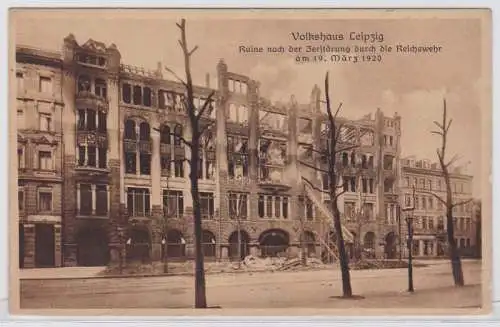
(398, 217)
(409, 224)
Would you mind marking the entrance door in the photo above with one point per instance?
(21, 246)
(44, 245)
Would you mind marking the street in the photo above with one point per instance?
(305, 289)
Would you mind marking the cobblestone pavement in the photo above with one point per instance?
(305, 289)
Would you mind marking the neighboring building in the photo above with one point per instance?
(429, 216)
(118, 174)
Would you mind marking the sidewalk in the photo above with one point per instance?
(60, 273)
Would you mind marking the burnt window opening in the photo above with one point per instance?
(130, 162)
(237, 154)
(147, 97)
(209, 168)
(138, 202)
(179, 168)
(161, 99)
(100, 88)
(144, 131)
(101, 200)
(91, 156)
(165, 134)
(173, 203)
(364, 161)
(145, 163)
(84, 83)
(127, 93)
(353, 159)
(165, 165)
(137, 96)
(370, 162)
(177, 135)
(238, 205)
(130, 130)
(102, 122)
(207, 204)
(388, 185)
(364, 185)
(353, 184)
(82, 151)
(103, 157)
(81, 120)
(91, 120)
(85, 199)
(370, 185)
(388, 162)
(345, 159)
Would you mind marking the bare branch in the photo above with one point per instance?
(313, 186)
(461, 202)
(204, 128)
(337, 195)
(434, 195)
(338, 110)
(452, 160)
(313, 167)
(437, 133)
(183, 140)
(192, 51)
(205, 105)
(175, 75)
(438, 125)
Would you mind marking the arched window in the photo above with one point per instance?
(144, 131)
(137, 95)
(130, 130)
(126, 93)
(165, 134)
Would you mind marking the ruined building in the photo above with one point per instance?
(102, 166)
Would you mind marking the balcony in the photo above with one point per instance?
(87, 99)
(272, 178)
(96, 138)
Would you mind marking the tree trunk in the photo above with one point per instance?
(200, 294)
(344, 263)
(456, 263)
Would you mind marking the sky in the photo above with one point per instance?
(411, 85)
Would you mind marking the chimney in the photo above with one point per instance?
(159, 69)
(207, 80)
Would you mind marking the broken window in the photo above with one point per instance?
(177, 135)
(145, 163)
(102, 122)
(91, 120)
(165, 134)
(85, 199)
(101, 202)
(130, 162)
(388, 162)
(130, 130)
(345, 159)
(127, 93)
(91, 156)
(137, 96)
(100, 88)
(388, 184)
(84, 83)
(207, 204)
(367, 137)
(138, 202)
(147, 97)
(238, 205)
(81, 120)
(173, 203)
(162, 101)
(103, 157)
(179, 168)
(165, 165)
(237, 148)
(272, 158)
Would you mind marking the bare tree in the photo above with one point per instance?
(334, 146)
(448, 202)
(199, 128)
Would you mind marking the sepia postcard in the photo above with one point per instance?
(250, 161)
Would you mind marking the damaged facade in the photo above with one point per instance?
(116, 183)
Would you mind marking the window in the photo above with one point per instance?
(424, 222)
(350, 210)
(85, 199)
(407, 181)
(388, 162)
(100, 88)
(126, 93)
(305, 126)
(325, 182)
(368, 211)
(370, 186)
(237, 155)
(165, 165)
(407, 200)
(45, 85)
(162, 99)
(20, 200)
(165, 134)
(388, 185)
(431, 203)
(364, 184)
(424, 203)
(91, 156)
(147, 97)
(20, 158)
(102, 122)
(45, 122)
(102, 157)
(145, 163)
(81, 120)
(345, 159)
(431, 223)
(273, 207)
(101, 200)
(137, 96)
(238, 205)
(207, 205)
(177, 135)
(179, 168)
(429, 185)
(44, 201)
(138, 202)
(20, 81)
(130, 163)
(84, 83)
(45, 160)
(173, 203)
